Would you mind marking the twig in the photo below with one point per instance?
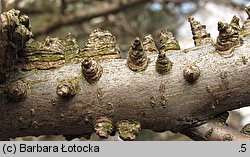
(214, 131)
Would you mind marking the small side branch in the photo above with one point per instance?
(214, 131)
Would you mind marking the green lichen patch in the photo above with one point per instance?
(103, 127)
(42, 58)
(40, 65)
(49, 46)
(128, 130)
(246, 129)
(100, 42)
(42, 55)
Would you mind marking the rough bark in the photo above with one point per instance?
(157, 102)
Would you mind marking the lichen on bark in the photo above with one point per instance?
(100, 43)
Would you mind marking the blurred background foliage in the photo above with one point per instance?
(126, 19)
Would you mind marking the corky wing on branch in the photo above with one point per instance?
(174, 90)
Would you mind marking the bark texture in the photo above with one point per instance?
(147, 99)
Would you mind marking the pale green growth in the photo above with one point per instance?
(42, 55)
(200, 35)
(103, 127)
(51, 46)
(137, 59)
(48, 54)
(128, 130)
(100, 43)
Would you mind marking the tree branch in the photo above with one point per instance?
(122, 94)
(79, 96)
(86, 15)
